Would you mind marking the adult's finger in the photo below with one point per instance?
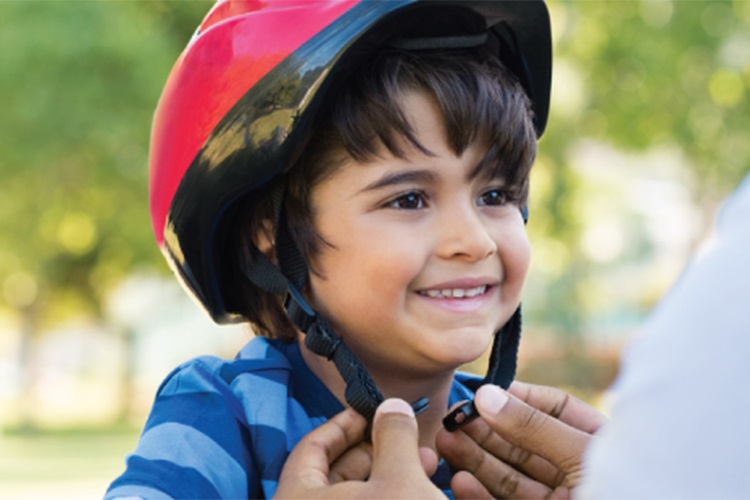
(466, 485)
(395, 440)
(397, 469)
(476, 447)
(354, 464)
(560, 405)
(429, 460)
(310, 460)
(488, 471)
(534, 430)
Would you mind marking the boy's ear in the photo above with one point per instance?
(264, 240)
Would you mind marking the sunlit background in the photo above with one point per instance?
(648, 132)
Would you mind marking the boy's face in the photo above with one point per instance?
(426, 263)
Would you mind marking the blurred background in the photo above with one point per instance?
(648, 133)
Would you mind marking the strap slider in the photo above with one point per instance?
(460, 416)
(297, 309)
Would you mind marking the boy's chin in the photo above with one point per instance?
(468, 353)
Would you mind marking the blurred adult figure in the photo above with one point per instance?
(679, 424)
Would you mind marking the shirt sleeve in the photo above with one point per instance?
(195, 442)
(679, 424)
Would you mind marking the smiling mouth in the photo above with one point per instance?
(455, 293)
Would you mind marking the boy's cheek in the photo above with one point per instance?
(522, 253)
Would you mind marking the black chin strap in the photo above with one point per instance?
(504, 354)
(503, 362)
(502, 369)
(361, 392)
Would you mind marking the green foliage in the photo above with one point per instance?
(38, 458)
(656, 72)
(638, 76)
(80, 80)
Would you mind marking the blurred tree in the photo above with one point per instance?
(637, 76)
(666, 72)
(79, 82)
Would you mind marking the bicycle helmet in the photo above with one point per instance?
(210, 148)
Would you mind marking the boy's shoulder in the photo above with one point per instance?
(464, 386)
(255, 386)
(264, 377)
(470, 380)
(218, 407)
(260, 355)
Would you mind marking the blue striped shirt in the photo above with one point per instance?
(223, 429)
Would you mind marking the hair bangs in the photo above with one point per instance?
(479, 99)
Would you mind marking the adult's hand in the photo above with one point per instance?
(328, 462)
(529, 443)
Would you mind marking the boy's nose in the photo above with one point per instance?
(463, 234)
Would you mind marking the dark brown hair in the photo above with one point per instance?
(480, 100)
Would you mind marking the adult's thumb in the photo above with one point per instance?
(395, 438)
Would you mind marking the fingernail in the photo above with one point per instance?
(490, 399)
(395, 405)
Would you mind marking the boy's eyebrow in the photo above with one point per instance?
(410, 176)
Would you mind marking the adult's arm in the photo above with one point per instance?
(680, 420)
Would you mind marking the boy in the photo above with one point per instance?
(351, 176)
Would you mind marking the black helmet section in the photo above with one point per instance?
(250, 147)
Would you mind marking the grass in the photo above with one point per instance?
(63, 464)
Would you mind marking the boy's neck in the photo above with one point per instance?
(436, 388)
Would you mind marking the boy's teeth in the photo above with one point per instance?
(456, 293)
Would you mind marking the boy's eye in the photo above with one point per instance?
(407, 201)
(493, 197)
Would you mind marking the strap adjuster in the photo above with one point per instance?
(460, 416)
(297, 309)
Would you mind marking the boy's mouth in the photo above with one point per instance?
(455, 293)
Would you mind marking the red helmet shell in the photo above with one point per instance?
(218, 132)
(236, 45)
